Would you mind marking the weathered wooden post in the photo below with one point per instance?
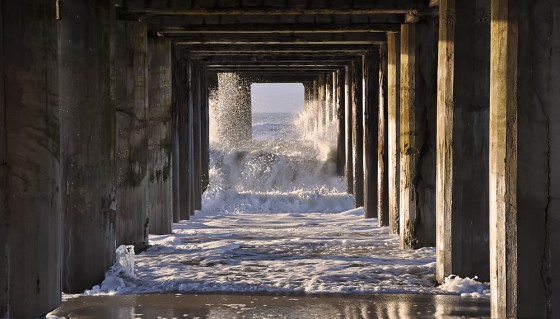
(418, 134)
(382, 144)
(524, 155)
(159, 198)
(393, 128)
(462, 140)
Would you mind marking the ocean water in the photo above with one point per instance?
(276, 219)
(276, 126)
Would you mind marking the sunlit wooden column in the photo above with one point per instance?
(462, 139)
(382, 142)
(393, 128)
(418, 134)
(524, 157)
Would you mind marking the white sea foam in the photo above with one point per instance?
(275, 218)
(466, 287)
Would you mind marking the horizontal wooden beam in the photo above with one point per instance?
(265, 22)
(296, 58)
(308, 64)
(272, 28)
(272, 56)
(277, 38)
(285, 7)
(290, 48)
(272, 69)
(277, 72)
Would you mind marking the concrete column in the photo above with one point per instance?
(205, 129)
(418, 134)
(190, 151)
(182, 111)
(382, 143)
(132, 143)
(371, 112)
(524, 157)
(86, 45)
(176, 124)
(197, 135)
(462, 139)
(340, 150)
(159, 198)
(4, 193)
(348, 126)
(358, 132)
(30, 168)
(393, 128)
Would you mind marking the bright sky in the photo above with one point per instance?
(277, 97)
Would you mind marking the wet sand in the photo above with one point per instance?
(393, 306)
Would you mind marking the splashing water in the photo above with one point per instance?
(284, 168)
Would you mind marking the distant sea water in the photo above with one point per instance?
(267, 126)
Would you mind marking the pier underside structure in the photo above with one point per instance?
(444, 112)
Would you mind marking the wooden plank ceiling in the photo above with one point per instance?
(275, 37)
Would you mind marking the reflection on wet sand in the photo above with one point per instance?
(271, 306)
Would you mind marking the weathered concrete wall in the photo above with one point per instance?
(462, 139)
(132, 143)
(524, 154)
(382, 142)
(393, 128)
(349, 149)
(358, 132)
(340, 110)
(30, 207)
(88, 141)
(417, 134)
(371, 131)
(159, 193)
